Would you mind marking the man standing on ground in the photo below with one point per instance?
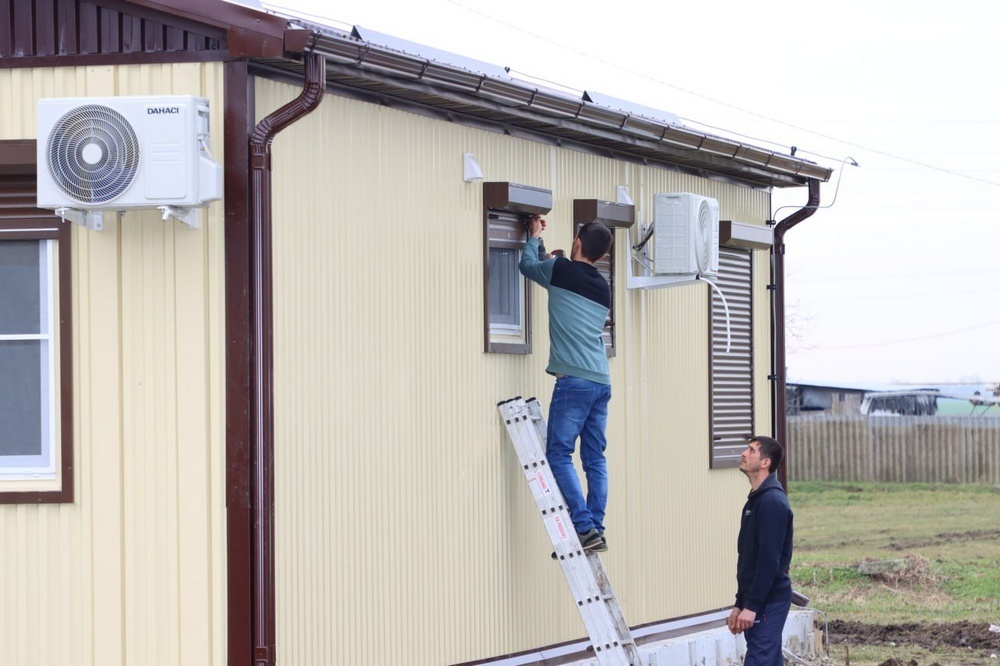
(764, 591)
(579, 303)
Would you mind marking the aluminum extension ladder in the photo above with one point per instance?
(602, 616)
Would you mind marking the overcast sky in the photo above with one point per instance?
(898, 280)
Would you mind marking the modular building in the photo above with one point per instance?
(256, 422)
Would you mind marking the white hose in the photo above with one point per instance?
(729, 331)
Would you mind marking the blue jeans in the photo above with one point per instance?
(764, 637)
(579, 409)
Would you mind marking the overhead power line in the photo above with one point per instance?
(934, 336)
(734, 107)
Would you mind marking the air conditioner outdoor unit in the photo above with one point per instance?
(125, 153)
(685, 234)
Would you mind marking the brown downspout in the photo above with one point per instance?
(778, 373)
(262, 355)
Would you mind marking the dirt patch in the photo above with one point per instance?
(940, 539)
(930, 636)
(898, 543)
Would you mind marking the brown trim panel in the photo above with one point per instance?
(746, 236)
(64, 29)
(517, 198)
(238, 123)
(251, 33)
(18, 156)
(613, 215)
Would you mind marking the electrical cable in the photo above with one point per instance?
(725, 304)
(890, 276)
(642, 243)
(836, 191)
(919, 339)
(720, 102)
(277, 6)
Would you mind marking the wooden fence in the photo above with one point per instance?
(926, 449)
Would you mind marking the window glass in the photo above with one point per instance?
(20, 296)
(505, 294)
(508, 323)
(21, 366)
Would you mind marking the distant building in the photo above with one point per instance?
(837, 400)
(922, 402)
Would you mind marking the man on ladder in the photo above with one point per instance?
(579, 303)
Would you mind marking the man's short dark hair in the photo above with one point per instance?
(770, 449)
(595, 240)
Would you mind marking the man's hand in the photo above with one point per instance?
(536, 226)
(731, 620)
(744, 620)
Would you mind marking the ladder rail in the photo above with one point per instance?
(589, 585)
(583, 585)
(603, 581)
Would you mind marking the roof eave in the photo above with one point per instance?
(540, 110)
(250, 33)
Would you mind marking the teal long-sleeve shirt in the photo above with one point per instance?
(579, 303)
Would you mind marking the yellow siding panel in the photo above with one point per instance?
(133, 571)
(405, 532)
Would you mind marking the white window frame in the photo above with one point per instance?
(516, 282)
(506, 230)
(45, 465)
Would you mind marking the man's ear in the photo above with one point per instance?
(765, 463)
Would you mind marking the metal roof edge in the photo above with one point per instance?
(475, 80)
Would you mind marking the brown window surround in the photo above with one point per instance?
(506, 313)
(613, 216)
(20, 220)
(731, 417)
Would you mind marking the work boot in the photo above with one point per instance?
(593, 542)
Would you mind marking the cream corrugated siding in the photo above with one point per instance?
(133, 571)
(405, 532)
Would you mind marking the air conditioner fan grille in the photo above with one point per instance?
(93, 154)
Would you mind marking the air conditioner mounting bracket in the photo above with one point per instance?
(88, 219)
(187, 215)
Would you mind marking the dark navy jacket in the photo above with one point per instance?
(765, 547)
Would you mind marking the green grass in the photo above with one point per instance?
(950, 534)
